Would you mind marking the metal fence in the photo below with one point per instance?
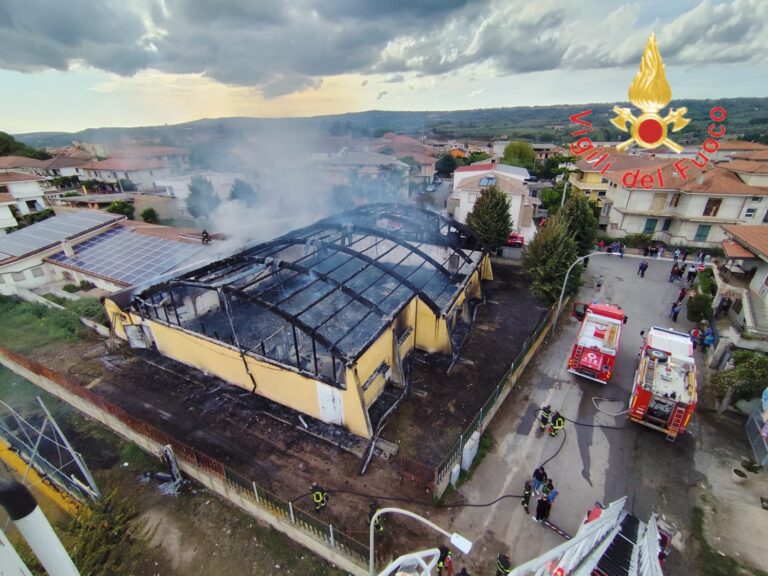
(319, 530)
(487, 410)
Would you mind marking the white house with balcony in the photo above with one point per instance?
(522, 207)
(742, 281)
(25, 192)
(677, 210)
(143, 173)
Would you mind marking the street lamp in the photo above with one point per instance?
(565, 281)
(457, 540)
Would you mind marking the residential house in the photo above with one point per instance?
(402, 147)
(732, 148)
(27, 192)
(742, 279)
(22, 164)
(143, 173)
(544, 150)
(587, 177)
(62, 166)
(688, 210)
(377, 177)
(178, 186)
(94, 201)
(175, 158)
(522, 207)
(105, 249)
(464, 172)
(7, 219)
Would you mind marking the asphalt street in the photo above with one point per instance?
(602, 460)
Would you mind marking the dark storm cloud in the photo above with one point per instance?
(41, 35)
(279, 47)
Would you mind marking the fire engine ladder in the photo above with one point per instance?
(615, 543)
(677, 419)
(609, 342)
(650, 373)
(577, 356)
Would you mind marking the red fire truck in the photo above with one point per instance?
(664, 394)
(594, 353)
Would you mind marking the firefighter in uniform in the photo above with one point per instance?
(206, 237)
(374, 507)
(526, 500)
(319, 497)
(546, 412)
(444, 561)
(503, 565)
(558, 423)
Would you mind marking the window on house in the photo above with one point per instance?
(3, 189)
(601, 193)
(702, 232)
(31, 205)
(675, 200)
(737, 306)
(756, 199)
(750, 213)
(667, 225)
(614, 226)
(650, 225)
(713, 205)
(607, 208)
(18, 276)
(38, 272)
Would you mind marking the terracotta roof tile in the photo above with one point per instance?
(20, 162)
(621, 162)
(6, 197)
(760, 155)
(125, 164)
(18, 177)
(476, 168)
(504, 183)
(753, 237)
(741, 145)
(746, 166)
(735, 250)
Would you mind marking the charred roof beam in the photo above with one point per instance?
(285, 315)
(299, 269)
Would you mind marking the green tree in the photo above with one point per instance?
(477, 157)
(580, 219)
(551, 166)
(149, 215)
(202, 199)
(9, 146)
(122, 207)
(699, 308)
(519, 154)
(490, 217)
(746, 379)
(244, 192)
(547, 259)
(446, 164)
(551, 198)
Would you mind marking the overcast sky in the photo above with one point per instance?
(68, 65)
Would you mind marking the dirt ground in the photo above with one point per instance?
(428, 423)
(241, 429)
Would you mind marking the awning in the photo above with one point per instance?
(737, 251)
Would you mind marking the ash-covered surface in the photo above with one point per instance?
(428, 423)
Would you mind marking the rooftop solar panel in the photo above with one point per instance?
(122, 255)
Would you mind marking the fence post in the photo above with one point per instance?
(461, 442)
(330, 530)
(256, 492)
(290, 509)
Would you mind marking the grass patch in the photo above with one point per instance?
(26, 326)
(711, 562)
(138, 458)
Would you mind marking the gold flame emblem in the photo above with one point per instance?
(650, 92)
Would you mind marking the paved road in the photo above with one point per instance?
(594, 463)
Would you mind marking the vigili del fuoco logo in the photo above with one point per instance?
(650, 92)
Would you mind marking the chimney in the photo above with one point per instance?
(68, 249)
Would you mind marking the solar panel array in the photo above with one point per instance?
(126, 256)
(51, 231)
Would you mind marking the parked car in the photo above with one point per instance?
(515, 240)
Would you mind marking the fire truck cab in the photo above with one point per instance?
(594, 353)
(664, 390)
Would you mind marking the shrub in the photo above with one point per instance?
(637, 240)
(707, 284)
(71, 288)
(149, 215)
(699, 308)
(85, 285)
(89, 308)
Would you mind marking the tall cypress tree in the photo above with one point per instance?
(547, 259)
(490, 217)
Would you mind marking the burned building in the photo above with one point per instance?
(324, 317)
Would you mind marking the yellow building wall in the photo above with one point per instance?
(485, 268)
(279, 384)
(378, 352)
(408, 315)
(431, 331)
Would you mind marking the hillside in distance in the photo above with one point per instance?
(747, 119)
